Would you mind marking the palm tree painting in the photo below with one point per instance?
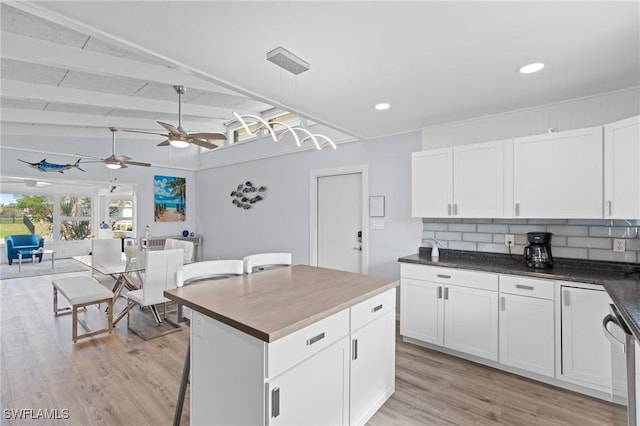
(170, 198)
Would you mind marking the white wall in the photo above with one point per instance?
(571, 114)
(281, 221)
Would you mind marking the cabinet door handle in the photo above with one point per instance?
(443, 276)
(524, 287)
(376, 308)
(517, 209)
(609, 205)
(448, 209)
(565, 298)
(502, 303)
(446, 293)
(275, 402)
(455, 209)
(354, 354)
(439, 292)
(314, 339)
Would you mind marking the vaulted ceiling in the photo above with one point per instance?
(78, 66)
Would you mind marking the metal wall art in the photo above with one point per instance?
(247, 194)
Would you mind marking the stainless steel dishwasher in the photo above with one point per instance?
(627, 346)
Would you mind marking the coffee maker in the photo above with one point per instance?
(538, 252)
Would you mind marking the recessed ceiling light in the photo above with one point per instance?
(382, 106)
(535, 67)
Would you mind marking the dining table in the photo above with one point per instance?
(121, 270)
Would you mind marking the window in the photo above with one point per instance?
(26, 214)
(75, 218)
(121, 214)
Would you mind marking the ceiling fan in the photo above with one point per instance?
(116, 161)
(177, 136)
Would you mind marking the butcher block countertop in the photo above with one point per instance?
(272, 304)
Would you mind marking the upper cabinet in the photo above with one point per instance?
(559, 175)
(622, 169)
(464, 181)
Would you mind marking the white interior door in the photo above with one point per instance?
(339, 222)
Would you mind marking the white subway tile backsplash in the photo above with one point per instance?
(573, 253)
(523, 229)
(597, 243)
(572, 238)
(483, 238)
(462, 227)
(451, 236)
(613, 231)
(435, 227)
(494, 229)
(462, 245)
(627, 256)
(568, 230)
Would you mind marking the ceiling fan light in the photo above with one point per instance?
(179, 144)
(113, 166)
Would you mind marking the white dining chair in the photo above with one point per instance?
(263, 261)
(106, 251)
(205, 270)
(161, 268)
(187, 246)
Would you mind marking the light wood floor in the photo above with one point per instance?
(120, 379)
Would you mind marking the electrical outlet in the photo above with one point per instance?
(619, 245)
(509, 241)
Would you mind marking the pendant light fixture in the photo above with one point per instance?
(295, 65)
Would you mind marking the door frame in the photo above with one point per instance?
(363, 170)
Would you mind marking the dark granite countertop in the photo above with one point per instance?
(623, 289)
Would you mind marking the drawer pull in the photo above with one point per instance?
(314, 339)
(275, 402)
(524, 287)
(376, 308)
(443, 276)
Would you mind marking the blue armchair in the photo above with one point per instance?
(23, 243)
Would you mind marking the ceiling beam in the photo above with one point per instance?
(12, 89)
(31, 50)
(27, 116)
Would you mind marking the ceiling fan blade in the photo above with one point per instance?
(146, 133)
(165, 143)
(209, 136)
(123, 166)
(170, 128)
(204, 144)
(121, 158)
(137, 163)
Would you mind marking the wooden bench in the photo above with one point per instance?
(82, 292)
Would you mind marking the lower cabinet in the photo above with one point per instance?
(585, 351)
(452, 308)
(526, 324)
(540, 328)
(313, 392)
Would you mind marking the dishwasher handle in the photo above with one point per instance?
(613, 339)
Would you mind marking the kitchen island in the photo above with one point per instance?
(294, 345)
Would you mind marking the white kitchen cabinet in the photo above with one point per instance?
(559, 175)
(313, 392)
(621, 169)
(471, 321)
(431, 183)
(421, 313)
(372, 379)
(464, 181)
(585, 355)
(453, 308)
(526, 324)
